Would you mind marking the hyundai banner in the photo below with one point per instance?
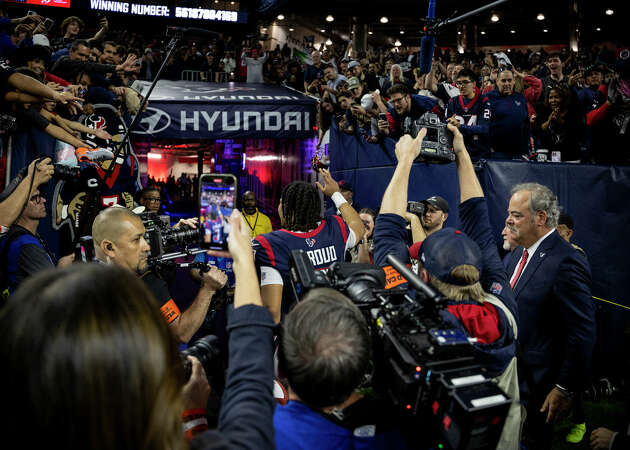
(195, 110)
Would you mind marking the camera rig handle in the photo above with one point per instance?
(437, 299)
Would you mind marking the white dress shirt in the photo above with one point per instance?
(530, 252)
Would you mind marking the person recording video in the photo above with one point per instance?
(118, 236)
(88, 359)
(466, 270)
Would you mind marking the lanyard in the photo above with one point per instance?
(255, 221)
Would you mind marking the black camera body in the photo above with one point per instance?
(423, 365)
(417, 208)
(162, 238)
(437, 145)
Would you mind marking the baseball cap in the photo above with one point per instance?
(40, 39)
(345, 185)
(446, 249)
(354, 83)
(437, 202)
(353, 64)
(366, 102)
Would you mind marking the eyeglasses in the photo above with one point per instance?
(37, 198)
(462, 82)
(396, 100)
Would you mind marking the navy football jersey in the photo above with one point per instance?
(474, 118)
(323, 245)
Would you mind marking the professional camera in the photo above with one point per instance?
(417, 208)
(423, 365)
(208, 352)
(66, 173)
(162, 238)
(437, 145)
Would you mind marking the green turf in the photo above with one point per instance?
(608, 414)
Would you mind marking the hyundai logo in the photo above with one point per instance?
(154, 121)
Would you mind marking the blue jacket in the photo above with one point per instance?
(557, 315)
(246, 419)
(297, 427)
(509, 124)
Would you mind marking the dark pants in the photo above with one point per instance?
(537, 435)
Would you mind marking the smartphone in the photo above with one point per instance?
(48, 24)
(382, 116)
(217, 198)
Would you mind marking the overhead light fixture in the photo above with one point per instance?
(459, 32)
(598, 29)
(291, 29)
(509, 50)
(397, 43)
(231, 3)
(402, 31)
(512, 31)
(545, 30)
(609, 12)
(322, 30)
(540, 16)
(329, 18)
(494, 18)
(483, 32)
(328, 41)
(384, 19)
(369, 32)
(280, 17)
(352, 32)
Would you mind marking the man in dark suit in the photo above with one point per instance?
(552, 287)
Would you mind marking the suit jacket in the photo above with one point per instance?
(557, 315)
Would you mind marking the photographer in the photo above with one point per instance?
(19, 190)
(118, 236)
(467, 271)
(96, 341)
(326, 353)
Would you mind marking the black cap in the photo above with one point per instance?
(345, 186)
(437, 202)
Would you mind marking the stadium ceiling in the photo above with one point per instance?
(519, 21)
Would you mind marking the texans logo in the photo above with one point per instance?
(310, 242)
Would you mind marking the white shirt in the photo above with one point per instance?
(530, 252)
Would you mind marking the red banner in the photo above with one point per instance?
(57, 3)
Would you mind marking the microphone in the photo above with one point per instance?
(427, 46)
(427, 43)
(191, 31)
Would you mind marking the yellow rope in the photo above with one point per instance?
(612, 303)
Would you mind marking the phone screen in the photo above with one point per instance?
(217, 198)
(48, 24)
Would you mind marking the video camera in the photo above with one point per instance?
(437, 145)
(422, 364)
(162, 238)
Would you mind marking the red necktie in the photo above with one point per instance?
(520, 268)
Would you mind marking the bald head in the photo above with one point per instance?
(118, 236)
(109, 223)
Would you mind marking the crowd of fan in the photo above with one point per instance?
(507, 104)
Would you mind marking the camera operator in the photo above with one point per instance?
(405, 105)
(118, 236)
(22, 251)
(95, 341)
(325, 241)
(467, 271)
(326, 352)
(19, 190)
